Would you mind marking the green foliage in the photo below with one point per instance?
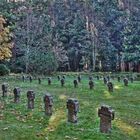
(16, 68)
(4, 70)
(132, 31)
(42, 62)
(96, 31)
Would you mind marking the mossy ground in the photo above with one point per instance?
(19, 123)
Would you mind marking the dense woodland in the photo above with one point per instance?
(43, 36)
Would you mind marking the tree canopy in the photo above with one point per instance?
(92, 34)
(5, 37)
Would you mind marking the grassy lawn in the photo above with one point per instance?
(19, 123)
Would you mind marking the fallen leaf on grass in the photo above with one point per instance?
(50, 129)
(1, 116)
(67, 137)
(1, 106)
(30, 126)
(21, 118)
(72, 138)
(137, 123)
(40, 134)
(6, 128)
(75, 138)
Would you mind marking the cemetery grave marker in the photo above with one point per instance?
(125, 82)
(91, 84)
(79, 78)
(75, 82)
(23, 78)
(119, 79)
(39, 81)
(16, 92)
(58, 77)
(106, 115)
(30, 79)
(62, 82)
(105, 80)
(64, 77)
(4, 89)
(110, 86)
(73, 108)
(31, 97)
(48, 101)
(49, 81)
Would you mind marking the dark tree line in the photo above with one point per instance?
(74, 35)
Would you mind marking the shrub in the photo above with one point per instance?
(4, 70)
(42, 62)
(16, 69)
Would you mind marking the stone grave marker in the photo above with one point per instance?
(4, 89)
(48, 101)
(73, 108)
(39, 81)
(31, 97)
(91, 84)
(79, 78)
(105, 80)
(125, 82)
(64, 77)
(58, 77)
(110, 86)
(75, 82)
(30, 79)
(16, 92)
(119, 79)
(106, 115)
(62, 82)
(23, 78)
(49, 81)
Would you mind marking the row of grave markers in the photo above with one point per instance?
(105, 113)
(79, 78)
(106, 80)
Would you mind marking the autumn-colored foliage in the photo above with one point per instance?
(5, 43)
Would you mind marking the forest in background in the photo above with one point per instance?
(70, 35)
